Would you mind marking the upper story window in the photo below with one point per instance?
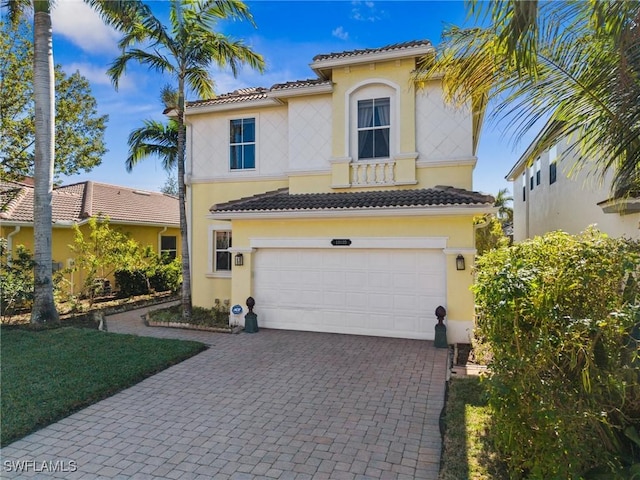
(553, 164)
(374, 128)
(531, 178)
(524, 186)
(168, 246)
(538, 171)
(242, 144)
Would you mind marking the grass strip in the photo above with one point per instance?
(49, 374)
(468, 451)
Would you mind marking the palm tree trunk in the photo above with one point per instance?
(44, 309)
(186, 269)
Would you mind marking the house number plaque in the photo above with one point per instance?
(340, 242)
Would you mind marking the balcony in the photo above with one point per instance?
(399, 170)
(372, 173)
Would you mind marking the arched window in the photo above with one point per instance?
(372, 121)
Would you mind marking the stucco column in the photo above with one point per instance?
(241, 281)
(460, 301)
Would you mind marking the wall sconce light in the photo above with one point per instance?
(460, 262)
(239, 260)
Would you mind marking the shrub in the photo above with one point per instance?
(165, 275)
(558, 312)
(16, 279)
(131, 282)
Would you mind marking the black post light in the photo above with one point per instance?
(239, 260)
(460, 262)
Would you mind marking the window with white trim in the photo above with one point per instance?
(242, 144)
(221, 253)
(374, 128)
(524, 186)
(168, 246)
(538, 171)
(531, 177)
(553, 164)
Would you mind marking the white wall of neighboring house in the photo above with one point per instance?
(570, 204)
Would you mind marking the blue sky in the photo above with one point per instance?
(288, 34)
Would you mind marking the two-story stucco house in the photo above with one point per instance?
(554, 192)
(339, 203)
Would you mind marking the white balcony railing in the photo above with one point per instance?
(373, 173)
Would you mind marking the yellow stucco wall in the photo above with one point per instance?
(346, 79)
(62, 237)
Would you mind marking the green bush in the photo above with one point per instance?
(558, 313)
(166, 275)
(131, 282)
(16, 279)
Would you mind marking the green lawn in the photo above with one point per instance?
(468, 449)
(49, 374)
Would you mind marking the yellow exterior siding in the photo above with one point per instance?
(63, 237)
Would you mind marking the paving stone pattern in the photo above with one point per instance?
(274, 405)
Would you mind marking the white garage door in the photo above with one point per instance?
(382, 292)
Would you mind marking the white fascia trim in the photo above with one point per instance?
(406, 156)
(302, 91)
(454, 162)
(371, 57)
(354, 213)
(239, 178)
(356, 242)
(460, 251)
(224, 107)
(241, 250)
(302, 173)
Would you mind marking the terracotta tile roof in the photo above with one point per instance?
(77, 202)
(368, 51)
(312, 82)
(282, 200)
(241, 95)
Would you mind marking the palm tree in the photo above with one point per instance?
(155, 138)
(505, 213)
(576, 63)
(185, 51)
(114, 12)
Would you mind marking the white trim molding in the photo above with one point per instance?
(356, 242)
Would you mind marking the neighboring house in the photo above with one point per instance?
(149, 218)
(553, 192)
(340, 203)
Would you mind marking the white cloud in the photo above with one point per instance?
(97, 75)
(340, 33)
(81, 25)
(365, 11)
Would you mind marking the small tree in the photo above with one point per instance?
(101, 252)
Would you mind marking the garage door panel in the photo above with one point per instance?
(383, 292)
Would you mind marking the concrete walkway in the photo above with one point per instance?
(276, 404)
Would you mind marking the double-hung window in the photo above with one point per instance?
(242, 144)
(222, 255)
(374, 128)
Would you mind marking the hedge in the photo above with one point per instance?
(560, 314)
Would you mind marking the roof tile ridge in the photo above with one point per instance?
(12, 205)
(86, 209)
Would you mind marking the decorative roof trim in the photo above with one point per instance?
(305, 90)
(413, 49)
(235, 105)
(433, 211)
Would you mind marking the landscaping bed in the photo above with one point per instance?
(214, 319)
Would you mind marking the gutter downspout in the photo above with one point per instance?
(16, 229)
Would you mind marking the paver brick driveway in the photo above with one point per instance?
(276, 404)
